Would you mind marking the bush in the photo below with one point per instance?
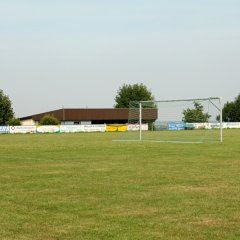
(14, 122)
(48, 120)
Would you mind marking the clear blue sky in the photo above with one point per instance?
(77, 53)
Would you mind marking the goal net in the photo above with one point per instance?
(189, 121)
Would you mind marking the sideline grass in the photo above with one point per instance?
(85, 186)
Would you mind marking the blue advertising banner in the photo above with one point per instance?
(4, 129)
(176, 126)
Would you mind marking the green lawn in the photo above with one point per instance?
(86, 186)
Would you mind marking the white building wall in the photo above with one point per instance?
(28, 122)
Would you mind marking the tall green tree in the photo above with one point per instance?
(129, 93)
(231, 111)
(6, 111)
(195, 115)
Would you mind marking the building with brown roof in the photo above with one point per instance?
(71, 116)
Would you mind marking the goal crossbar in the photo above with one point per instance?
(182, 100)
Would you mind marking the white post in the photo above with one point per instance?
(140, 121)
(221, 127)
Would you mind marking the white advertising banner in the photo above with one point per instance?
(135, 127)
(82, 128)
(94, 128)
(231, 125)
(48, 129)
(23, 129)
(201, 125)
(213, 125)
(70, 128)
(216, 125)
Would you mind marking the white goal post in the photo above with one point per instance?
(184, 120)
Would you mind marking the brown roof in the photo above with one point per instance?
(88, 114)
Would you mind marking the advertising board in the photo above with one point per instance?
(4, 129)
(82, 128)
(94, 128)
(71, 128)
(176, 126)
(135, 127)
(116, 128)
(48, 129)
(231, 125)
(22, 129)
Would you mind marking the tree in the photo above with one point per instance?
(135, 92)
(6, 111)
(48, 120)
(231, 111)
(195, 115)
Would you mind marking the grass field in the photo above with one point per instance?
(86, 186)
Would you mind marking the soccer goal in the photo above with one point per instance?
(187, 121)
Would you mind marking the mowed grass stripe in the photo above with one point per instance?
(85, 186)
